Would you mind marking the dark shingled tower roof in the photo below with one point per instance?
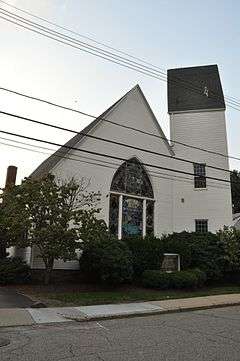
(195, 88)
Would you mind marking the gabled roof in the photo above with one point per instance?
(162, 135)
(47, 165)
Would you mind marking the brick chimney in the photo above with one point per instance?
(10, 181)
(11, 176)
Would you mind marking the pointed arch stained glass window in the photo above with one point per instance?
(131, 178)
(128, 217)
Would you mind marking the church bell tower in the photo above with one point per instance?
(196, 108)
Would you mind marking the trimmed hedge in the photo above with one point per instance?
(190, 279)
(147, 253)
(202, 251)
(13, 271)
(156, 279)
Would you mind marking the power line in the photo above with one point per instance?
(116, 124)
(107, 55)
(81, 35)
(83, 44)
(110, 141)
(232, 100)
(171, 157)
(162, 71)
(95, 161)
(41, 152)
(199, 149)
(80, 48)
(108, 155)
(81, 157)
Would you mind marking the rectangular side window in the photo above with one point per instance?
(199, 175)
(201, 225)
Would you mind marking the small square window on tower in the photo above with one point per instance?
(201, 225)
(199, 175)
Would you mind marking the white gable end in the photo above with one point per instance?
(131, 111)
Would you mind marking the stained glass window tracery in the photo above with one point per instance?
(113, 214)
(131, 213)
(131, 178)
(132, 216)
(149, 217)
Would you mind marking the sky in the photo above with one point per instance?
(169, 34)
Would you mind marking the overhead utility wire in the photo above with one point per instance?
(115, 123)
(88, 46)
(152, 173)
(109, 58)
(237, 101)
(78, 42)
(108, 155)
(109, 141)
(151, 71)
(80, 35)
(234, 99)
(107, 55)
(81, 157)
(79, 48)
(106, 164)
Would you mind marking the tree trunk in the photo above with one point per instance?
(3, 250)
(48, 271)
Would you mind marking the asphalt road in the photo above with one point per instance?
(9, 298)
(191, 336)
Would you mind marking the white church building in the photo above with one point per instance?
(155, 185)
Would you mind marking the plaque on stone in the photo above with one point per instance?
(171, 262)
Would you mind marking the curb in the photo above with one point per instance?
(147, 313)
(151, 313)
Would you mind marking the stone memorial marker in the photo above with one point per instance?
(171, 262)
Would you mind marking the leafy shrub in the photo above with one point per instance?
(107, 260)
(13, 271)
(179, 243)
(208, 255)
(187, 279)
(201, 275)
(184, 279)
(156, 279)
(201, 251)
(190, 279)
(229, 241)
(147, 253)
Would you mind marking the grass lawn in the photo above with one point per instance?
(75, 297)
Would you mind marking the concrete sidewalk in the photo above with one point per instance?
(30, 316)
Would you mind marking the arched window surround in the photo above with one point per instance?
(131, 203)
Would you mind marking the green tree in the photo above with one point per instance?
(229, 239)
(235, 189)
(49, 215)
(3, 234)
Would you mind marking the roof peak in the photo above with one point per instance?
(47, 165)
